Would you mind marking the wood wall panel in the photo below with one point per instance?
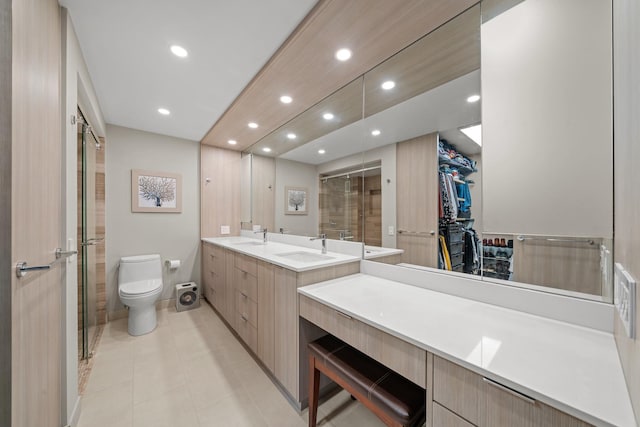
(562, 265)
(220, 172)
(417, 200)
(305, 68)
(6, 271)
(626, 65)
(36, 192)
(101, 231)
(443, 55)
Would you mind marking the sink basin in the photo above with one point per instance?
(252, 243)
(305, 256)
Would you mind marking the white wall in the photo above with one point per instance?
(546, 119)
(296, 174)
(77, 90)
(172, 235)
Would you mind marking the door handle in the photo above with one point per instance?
(22, 268)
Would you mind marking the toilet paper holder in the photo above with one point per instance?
(172, 264)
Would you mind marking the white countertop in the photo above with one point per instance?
(271, 252)
(572, 368)
(373, 252)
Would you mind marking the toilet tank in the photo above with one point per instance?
(140, 267)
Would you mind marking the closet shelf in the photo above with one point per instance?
(497, 258)
(464, 170)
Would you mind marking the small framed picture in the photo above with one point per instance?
(295, 200)
(153, 191)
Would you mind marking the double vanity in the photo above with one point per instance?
(481, 364)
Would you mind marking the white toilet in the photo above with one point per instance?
(139, 287)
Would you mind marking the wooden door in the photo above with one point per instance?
(36, 194)
(417, 200)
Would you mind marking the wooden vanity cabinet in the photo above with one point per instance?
(464, 398)
(266, 314)
(259, 300)
(213, 275)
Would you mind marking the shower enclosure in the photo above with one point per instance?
(345, 197)
(88, 146)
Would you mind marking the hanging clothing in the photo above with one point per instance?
(465, 194)
(448, 197)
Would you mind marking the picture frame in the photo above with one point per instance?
(153, 191)
(295, 200)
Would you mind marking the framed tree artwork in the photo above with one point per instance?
(153, 191)
(295, 200)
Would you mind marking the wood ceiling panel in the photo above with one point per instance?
(451, 51)
(305, 68)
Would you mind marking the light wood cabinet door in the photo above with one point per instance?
(417, 200)
(286, 329)
(457, 389)
(266, 314)
(442, 417)
(228, 294)
(501, 406)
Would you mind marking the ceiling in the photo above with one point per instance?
(126, 47)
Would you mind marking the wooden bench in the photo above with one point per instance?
(391, 397)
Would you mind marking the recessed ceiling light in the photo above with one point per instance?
(473, 98)
(375, 132)
(389, 84)
(179, 51)
(266, 149)
(232, 142)
(286, 99)
(252, 125)
(321, 151)
(474, 132)
(291, 135)
(164, 111)
(327, 116)
(343, 54)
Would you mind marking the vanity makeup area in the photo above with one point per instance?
(501, 310)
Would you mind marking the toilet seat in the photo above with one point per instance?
(140, 288)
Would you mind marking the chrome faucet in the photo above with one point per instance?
(323, 237)
(264, 234)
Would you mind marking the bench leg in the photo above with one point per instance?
(314, 389)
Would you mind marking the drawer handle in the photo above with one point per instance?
(243, 294)
(509, 390)
(344, 315)
(243, 317)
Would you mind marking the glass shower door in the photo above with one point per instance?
(87, 298)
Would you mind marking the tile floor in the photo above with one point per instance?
(192, 371)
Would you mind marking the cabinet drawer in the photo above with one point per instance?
(457, 389)
(247, 284)
(247, 332)
(247, 308)
(404, 358)
(246, 264)
(442, 417)
(207, 259)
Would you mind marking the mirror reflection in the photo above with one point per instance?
(404, 159)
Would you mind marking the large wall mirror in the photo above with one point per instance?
(484, 149)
